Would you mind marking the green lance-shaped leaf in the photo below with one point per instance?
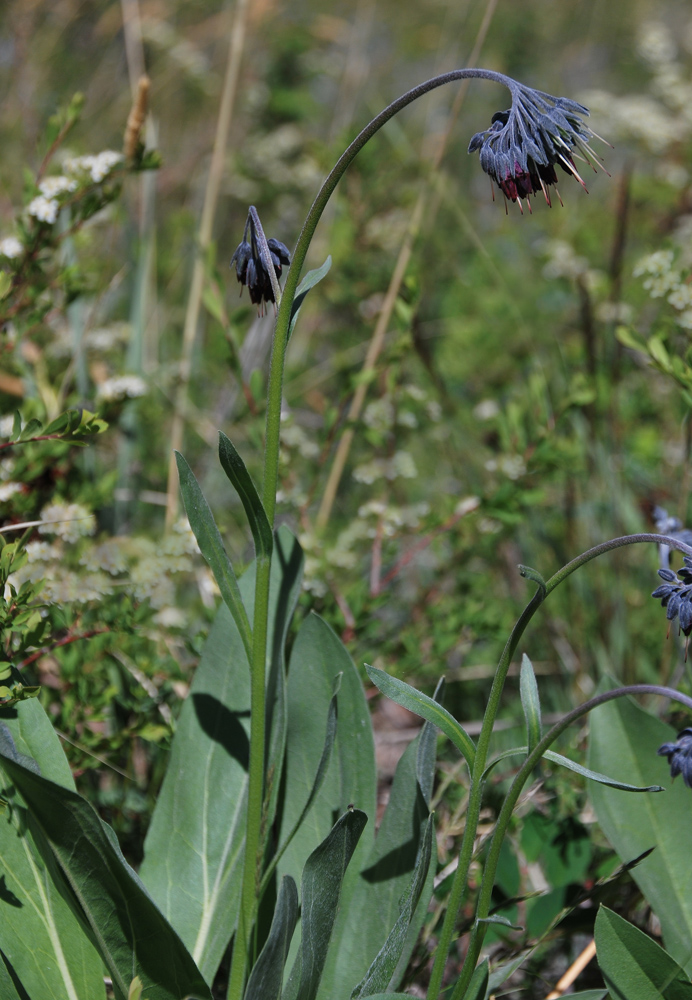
(585, 772)
(623, 738)
(42, 942)
(320, 775)
(633, 966)
(127, 929)
(235, 469)
(209, 540)
(478, 987)
(320, 891)
(308, 282)
(382, 969)
(530, 702)
(428, 709)
(266, 978)
(193, 854)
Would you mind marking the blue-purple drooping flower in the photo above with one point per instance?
(252, 265)
(676, 594)
(525, 144)
(680, 756)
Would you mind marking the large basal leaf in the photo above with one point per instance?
(194, 847)
(266, 979)
(623, 740)
(317, 657)
(129, 931)
(40, 937)
(323, 875)
(633, 966)
(373, 905)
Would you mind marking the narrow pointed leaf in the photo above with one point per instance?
(41, 940)
(478, 986)
(235, 469)
(130, 933)
(308, 282)
(266, 978)
(428, 709)
(212, 548)
(530, 702)
(557, 758)
(497, 918)
(382, 969)
(633, 966)
(320, 892)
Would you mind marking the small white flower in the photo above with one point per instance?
(403, 466)
(486, 409)
(44, 209)
(681, 298)
(10, 247)
(122, 387)
(50, 187)
(69, 521)
(8, 490)
(98, 167)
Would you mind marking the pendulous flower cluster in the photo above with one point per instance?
(251, 267)
(679, 756)
(525, 144)
(676, 594)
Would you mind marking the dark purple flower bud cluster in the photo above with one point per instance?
(251, 268)
(523, 145)
(680, 756)
(676, 594)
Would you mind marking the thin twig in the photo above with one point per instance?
(575, 968)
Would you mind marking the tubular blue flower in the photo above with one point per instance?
(679, 756)
(676, 595)
(525, 144)
(251, 266)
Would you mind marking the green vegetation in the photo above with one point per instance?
(467, 393)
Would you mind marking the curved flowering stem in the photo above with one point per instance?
(476, 789)
(541, 132)
(522, 776)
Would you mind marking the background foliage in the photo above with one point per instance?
(531, 397)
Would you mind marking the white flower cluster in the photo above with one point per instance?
(108, 338)
(96, 167)
(44, 209)
(657, 123)
(6, 425)
(52, 187)
(512, 466)
(400, 466)
(69, 521)
(8, 490)
(664, 279)
(294, 437)
(563, 262)
(10, 247)
(121, 387)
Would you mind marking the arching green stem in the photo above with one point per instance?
(476, 791)
(253, 845)
(503, 820)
